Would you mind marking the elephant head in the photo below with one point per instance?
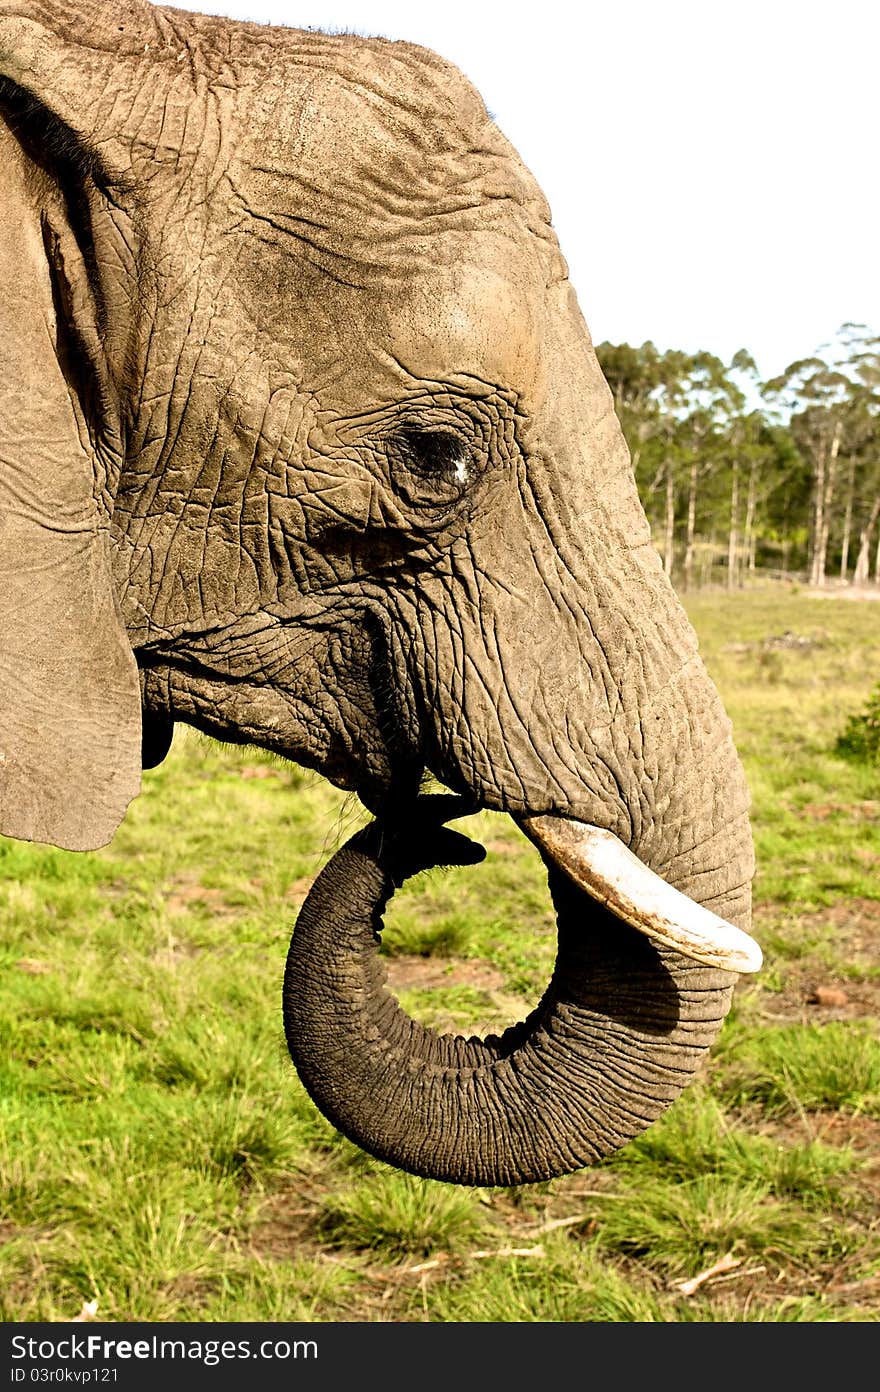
(303, 442)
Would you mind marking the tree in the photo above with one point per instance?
(675, 409)
(816, 393)
(795, 478)
(833, 401)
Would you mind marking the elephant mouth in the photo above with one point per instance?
(237, 698)
(595, 859)
(641, 985)
(157, 732)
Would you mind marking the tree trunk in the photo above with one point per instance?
(748, 530)
(847, 519)
(732, 534)
(818, 515)
(861, 574)
(824, 497)
(670, 523)
(708, 560)
(691, 523)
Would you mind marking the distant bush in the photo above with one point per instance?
(861, 736)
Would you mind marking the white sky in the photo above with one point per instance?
(712, 168)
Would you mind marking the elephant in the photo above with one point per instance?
(304, 443)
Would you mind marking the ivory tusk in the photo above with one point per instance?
(607, 870)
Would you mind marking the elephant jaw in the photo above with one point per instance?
(600, 864)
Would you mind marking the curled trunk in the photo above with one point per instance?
(617, 1035)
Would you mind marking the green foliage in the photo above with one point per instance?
(736, 474)
(860, 738)
(444, 938)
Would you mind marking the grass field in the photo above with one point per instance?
(158, 1155)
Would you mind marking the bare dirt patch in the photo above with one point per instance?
(781, 642)
(297, 890)
(812, 991)
(174, 953)
(411, 973)
(811, 996)
(288, 1224)
(188, 892)
(859, 592)
(490, 1009)
(800, 642)
(856, 811)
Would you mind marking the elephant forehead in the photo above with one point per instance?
(479, 318)
(368, 168)
(391, 137)
(380, 214)
(462, 306)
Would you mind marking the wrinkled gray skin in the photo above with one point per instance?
(303, 442)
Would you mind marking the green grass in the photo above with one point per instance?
(158, 1153)
(790, 1068)
(698, 1138)
(399, 1216)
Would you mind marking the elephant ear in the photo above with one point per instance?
(69, 690)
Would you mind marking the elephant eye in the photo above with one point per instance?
(429, 466)
(435, 453)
